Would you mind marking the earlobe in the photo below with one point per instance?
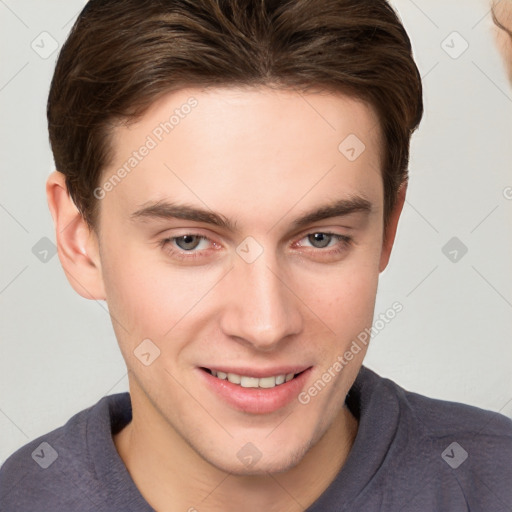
(77, 244)
(390, 232)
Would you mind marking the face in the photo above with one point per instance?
(243, 241)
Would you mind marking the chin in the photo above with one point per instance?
(274, 461)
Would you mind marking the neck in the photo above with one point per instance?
(171, 475)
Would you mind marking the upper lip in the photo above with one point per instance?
(259, 373)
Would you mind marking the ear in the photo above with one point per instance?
(77, 245)
(390, 229)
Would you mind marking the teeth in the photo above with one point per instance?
(267, 382)
(254, 382)
(234, 378)
(249, 382)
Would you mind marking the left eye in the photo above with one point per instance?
(188, 242)
(321, 240)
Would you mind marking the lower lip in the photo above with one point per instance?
(256, 400)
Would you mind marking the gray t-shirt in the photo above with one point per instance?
(411, 453)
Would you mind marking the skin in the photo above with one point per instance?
(262, 158)
(503, 12)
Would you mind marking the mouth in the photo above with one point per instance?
(246, 381)
(256, 391)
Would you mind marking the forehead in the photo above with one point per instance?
(247, 150)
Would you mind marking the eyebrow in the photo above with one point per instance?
(168, 210)
(339, 208)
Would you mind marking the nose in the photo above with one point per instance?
(261, 308)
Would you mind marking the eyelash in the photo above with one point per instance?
(166, 244)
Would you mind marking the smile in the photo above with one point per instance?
(253, 382)
(256, 391)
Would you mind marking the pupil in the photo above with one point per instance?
(320, 239)
(187, 242)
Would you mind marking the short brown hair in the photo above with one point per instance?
(122, 55)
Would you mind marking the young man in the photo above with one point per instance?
(230, 178)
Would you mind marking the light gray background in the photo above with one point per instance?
(451, 341)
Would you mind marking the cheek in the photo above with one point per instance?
(146, 296)
(343, 296)
(346, 305)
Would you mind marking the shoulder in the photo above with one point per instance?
(56, 469)
(465, 446)
(443, 418)
(438, 417)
